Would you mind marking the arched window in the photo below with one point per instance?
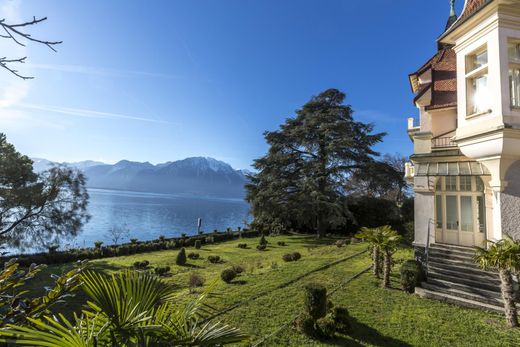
(460, 205)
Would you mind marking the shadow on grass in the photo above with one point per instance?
(366, 335)
(105, 266)
(238, 282)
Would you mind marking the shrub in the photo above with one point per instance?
(162, 270)
(193, 255)
(242, 245)
(210, 239)
(296, 256)
(287, 257)
(305, 325)
(281, 243)
(214, 259)
(315, 300)
(261, 247)
(198, 244)
(134, 241)
(98, 244)
(238, 269)
(411, 275)
(341, 318)
(162, 238)
(184, 235)
(340, 243)
(141, 264)
(228, 275)
(195, 280)
(53, 248)
(327, 326)
(263, 241)
(181, 257)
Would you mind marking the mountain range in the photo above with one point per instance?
(200, 176)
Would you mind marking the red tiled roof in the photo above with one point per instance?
(444, 80)
(471, 7)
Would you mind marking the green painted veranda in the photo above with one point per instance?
(300, 181)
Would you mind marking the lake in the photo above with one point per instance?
(146, 216)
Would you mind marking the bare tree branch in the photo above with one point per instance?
(14, 32)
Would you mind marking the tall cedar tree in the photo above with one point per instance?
(301, 180)
(38, 209)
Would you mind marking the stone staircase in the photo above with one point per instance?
(453, 277)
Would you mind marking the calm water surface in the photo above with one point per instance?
(149, 215)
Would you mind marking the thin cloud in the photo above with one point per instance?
(78, 112)
(100, 71)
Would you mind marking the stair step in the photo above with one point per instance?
(434, 255)
(450, 260)
(474, 275)
(466, 288)
(484, 284)
(464, 269)
(449, 252)
(426, 293)
(452, 247)
(462, 294)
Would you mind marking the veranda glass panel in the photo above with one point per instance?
(438, 208)
(514, 85)
(452, 214)
(481, 214)
(451, 183)
(465, 183)
(466, 211)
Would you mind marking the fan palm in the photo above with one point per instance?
(503, 256)
(128, 309)
(388, 241)
(373, 236)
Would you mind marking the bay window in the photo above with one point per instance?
(514, 73)
(478, 95)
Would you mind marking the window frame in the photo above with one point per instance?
(472, 73)
(513, 65)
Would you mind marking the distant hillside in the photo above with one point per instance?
(193, 176)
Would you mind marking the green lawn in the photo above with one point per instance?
(269, 294)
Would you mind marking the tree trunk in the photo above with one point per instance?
(508, 296)
(387, 268)
(376, 261)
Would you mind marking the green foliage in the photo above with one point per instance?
(341, 318)
(141, 264)
(228, 275)
(127, 309)
(198, 244)
(193, 255)
(503, 254)
(340, 243)
(261, 247)
(195, 280)
(411, 275)
(134, 241)
(214, 259)
(34, 207)
(98, 244)
(301, 179)
(238, 269)
(326, 326)
(315, 300)
(281, 243)
(162, 270)
(263, 240)
(291, 256)
(16, 307)
(306, 325)
(184, 235)
(296, 256)
(242, 245)
(181, 257)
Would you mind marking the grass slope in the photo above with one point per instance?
(381, 317)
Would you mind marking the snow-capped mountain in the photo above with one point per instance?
(194, 176)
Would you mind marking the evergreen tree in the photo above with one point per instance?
(38, 209)
(300, 181)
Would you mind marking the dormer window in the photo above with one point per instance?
(477, 82)
(514, 73)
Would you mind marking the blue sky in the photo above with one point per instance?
(163, 80)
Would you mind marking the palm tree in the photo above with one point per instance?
(503, 256)
(372, 236)
(129, 309)
(389, 240)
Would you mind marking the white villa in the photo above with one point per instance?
(465, 167)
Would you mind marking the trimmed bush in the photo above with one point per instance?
(193, 255)
(305, 325)
(315, 301)
(327, 326)
(141, 264)
(162, 270)
(238, 269)
(263, 241)
(195, 280)
(411, 275)
(198, 244)
(228, 275)
(181, 257)
(261, 247)
(98, 244)
(340, 243)
(242, 245)
(214, 259)
(296, 256)
(281, 243)
(287, 257)
(341, 318)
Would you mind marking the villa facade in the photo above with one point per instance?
(465, 167)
